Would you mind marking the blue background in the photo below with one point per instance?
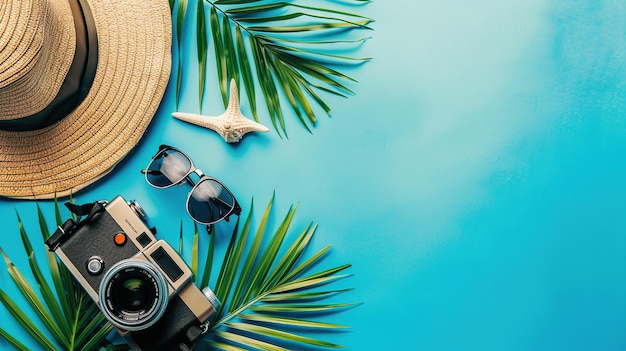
(476, 180)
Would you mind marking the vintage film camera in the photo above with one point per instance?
(141, 284)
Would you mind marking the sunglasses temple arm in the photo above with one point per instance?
(150, 171)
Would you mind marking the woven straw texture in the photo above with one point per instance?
(134, 39)
(34, 60)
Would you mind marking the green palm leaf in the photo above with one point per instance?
(71, 319)
(180, 21)
(293, 51)
(266, 292)
(269, 295)
(202, 43)
(13, 341)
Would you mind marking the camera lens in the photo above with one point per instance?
(133, 295)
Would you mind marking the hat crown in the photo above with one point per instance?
(114, 58)
(21, 37)
(37, 44)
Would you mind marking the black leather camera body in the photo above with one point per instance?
(141, 284)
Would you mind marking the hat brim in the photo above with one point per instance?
(134, 62)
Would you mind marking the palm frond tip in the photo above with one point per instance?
(268, 289)
(70, 318)
(290, 50)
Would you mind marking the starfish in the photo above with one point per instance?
(230, 125)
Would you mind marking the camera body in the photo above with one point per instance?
(141, 284)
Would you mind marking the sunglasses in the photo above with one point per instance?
(208, 202)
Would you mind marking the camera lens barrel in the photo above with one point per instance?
(133, 294)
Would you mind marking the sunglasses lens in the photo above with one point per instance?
(169, 167)
(210, 202)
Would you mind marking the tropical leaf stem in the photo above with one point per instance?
(281, 63)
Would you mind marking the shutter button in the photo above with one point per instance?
(95, 265)
(119, 239)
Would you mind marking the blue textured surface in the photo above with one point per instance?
(476, 181)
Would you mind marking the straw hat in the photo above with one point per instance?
(80, 81)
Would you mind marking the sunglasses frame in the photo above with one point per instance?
(235, 209)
